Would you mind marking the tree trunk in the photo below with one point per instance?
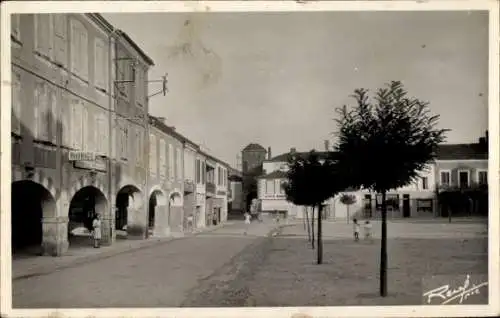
(320, 234)
(312, 229)
(449, 214)
(383, 249)
(348, 214)
(308, 225)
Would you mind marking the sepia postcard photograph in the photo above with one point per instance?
(250, 158)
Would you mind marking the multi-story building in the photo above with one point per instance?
(190, 170)
(235, 197)
(221, 191)
(130, 126)
(200, 181)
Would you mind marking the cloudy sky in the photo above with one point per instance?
(276, 78)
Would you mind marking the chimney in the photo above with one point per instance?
(293, 150)
(327, 145)
(269, 153)
(486, 136)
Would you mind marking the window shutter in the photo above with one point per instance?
(75, 47)
(43, 122)
(60, 43)
(67, 114)
(42, 22)
(100, 65)
(54, 120)
(78, 124)
(85, 123)
(16, 101)
(84, 53)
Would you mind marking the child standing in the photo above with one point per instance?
(356, 229)
(247, 222)
(368, 230)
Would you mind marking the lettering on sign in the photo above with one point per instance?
(466, 289)
(81, 156)
(98, 165)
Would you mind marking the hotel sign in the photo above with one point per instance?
(81, 156)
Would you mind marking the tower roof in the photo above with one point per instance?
(254, 147)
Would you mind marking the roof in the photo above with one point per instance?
(277, 174)
(254, 147)
(445, 152)
(462, 152)
(284, 157)
(158, 123)
(135, 46)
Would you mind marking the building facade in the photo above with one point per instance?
(83, 142)
(252, 157)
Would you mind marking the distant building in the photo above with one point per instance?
(252, 156)
(457, 167)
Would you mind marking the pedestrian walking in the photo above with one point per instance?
(96, 230)
(356, 229)
(247, 222)
(368, 230)
(190, 222)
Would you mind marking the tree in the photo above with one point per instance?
(398, 135)
(310, 182)
(348, 200)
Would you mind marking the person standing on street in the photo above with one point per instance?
(96, 231)
(356, 230)
(247, 221)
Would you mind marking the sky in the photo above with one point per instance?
(276, 78)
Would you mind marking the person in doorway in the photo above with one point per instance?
(356, 229)
(96, 230)
(368, 230)
(247, 221)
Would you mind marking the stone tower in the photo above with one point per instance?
(252, 157)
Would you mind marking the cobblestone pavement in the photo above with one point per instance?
(161, 275)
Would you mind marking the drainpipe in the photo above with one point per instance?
(146, 151)
(111, 131)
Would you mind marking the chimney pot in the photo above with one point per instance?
(269, 153)
(293, 150)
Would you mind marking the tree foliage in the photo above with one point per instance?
(385, 141)
(347, 199)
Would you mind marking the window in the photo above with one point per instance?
(16, 101)
(52, 114)
(124, 140)
(100, 134)
(463, 178)
(87, 136)
(482, 177)
(140, 146)
(15, 27)
(171, 158)
(100, 64)
(445, 176)
(76, 123)
(42, 125)
(140, 85)
(152, 155)
(79, 50)
(178, 162)
(425, 183)
(60, 40)
(198, 171)
(163, 158)
(269, 186)
(43, 38)
(203, 172)
(66, 117)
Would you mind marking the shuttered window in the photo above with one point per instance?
(79, 50)
(43, 38)
(163, 158)
(100, 64)
(76, 124)
(60, 39)
(178, 161)
(52, 114)
(171, 159)
(42, 115)
(16, 102)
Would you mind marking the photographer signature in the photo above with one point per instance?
(461, 293)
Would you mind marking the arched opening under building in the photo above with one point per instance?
(85, 204)
(127, 198)
(30, 202)
(156, 210)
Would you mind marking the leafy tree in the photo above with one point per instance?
(383, 144)
(310, 182)
(348, 200)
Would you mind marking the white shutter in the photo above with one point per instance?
(43, 120)
(170, 162)
(75, 47)
(16, 102)
(84, 53)
(101, 65)
(60, 39)
(42, 25)
(66, 120)
(54, 120)
(163, 158)
(84, 122)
